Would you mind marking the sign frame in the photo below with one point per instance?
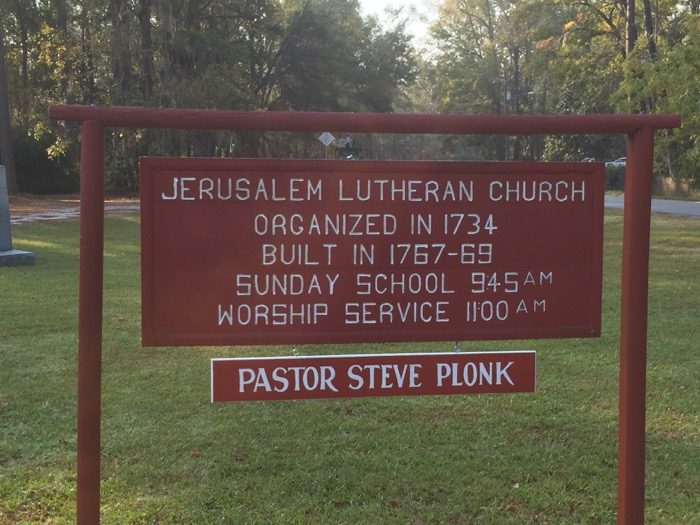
(639, 130)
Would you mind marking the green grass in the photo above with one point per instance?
(169, 456)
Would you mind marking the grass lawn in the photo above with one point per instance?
(169, 456)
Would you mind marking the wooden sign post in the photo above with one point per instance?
(638, 128)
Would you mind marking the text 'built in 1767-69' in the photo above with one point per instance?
(265, 252)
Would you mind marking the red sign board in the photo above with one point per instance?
(278, 252)
(419, 374)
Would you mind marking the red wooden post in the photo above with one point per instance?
(90, 320)
(309, 121)
(633, 327)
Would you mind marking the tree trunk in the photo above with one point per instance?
(650, 102)
(631, 27)
(121, 70)
(6, 156)
(22, 18)
(21, 14)
(88, 83)
(649, 29)
(144, 14)
(166, 71)
(60, 10)
(517, 140)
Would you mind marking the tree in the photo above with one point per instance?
(322, 55)
(493, 56)
(673, 83)
(6, 155)
(489, 61)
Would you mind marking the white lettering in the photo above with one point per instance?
(396, 312)
(278, 314)
(537, 191)
(491, 373)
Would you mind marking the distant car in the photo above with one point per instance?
(348, 153)
(587, 159)
(617, 163)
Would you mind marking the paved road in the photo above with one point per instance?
(688, 208)
(69, 212)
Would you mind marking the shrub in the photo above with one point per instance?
(614, 178)
(36, 171)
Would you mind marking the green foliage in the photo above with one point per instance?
(41, 168)
(566, 56)
(227, 54)
(489, 57)
(675, 83)
(615, 178)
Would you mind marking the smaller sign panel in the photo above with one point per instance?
(371, 375)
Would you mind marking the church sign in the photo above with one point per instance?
(240, 252)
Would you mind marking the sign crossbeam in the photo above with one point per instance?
(633, 337)
(130, 117)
